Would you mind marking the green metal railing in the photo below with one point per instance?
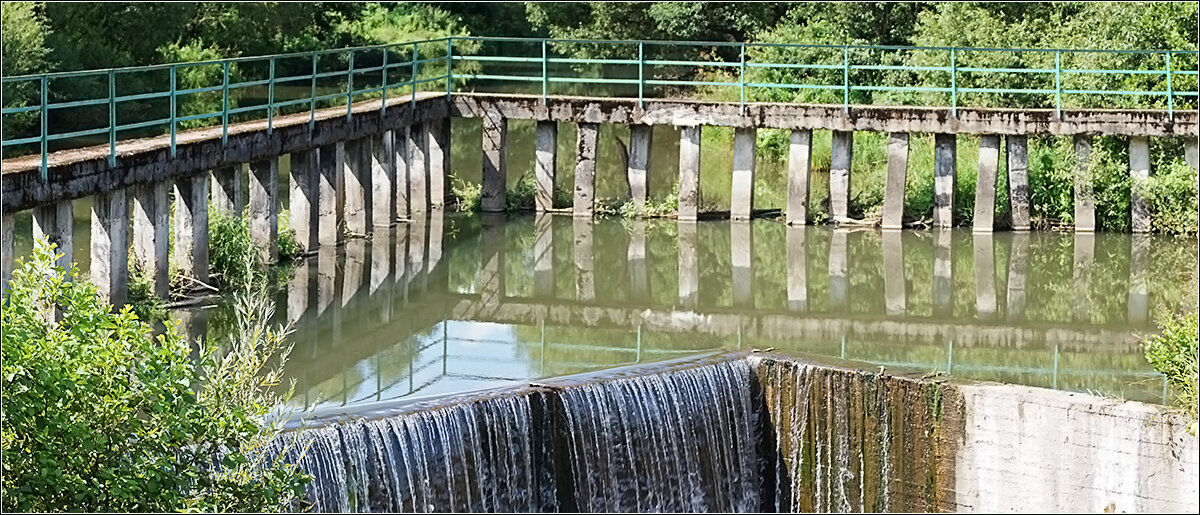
(750, 73)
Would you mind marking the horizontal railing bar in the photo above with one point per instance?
(139, 125)
(498, 77)
(76, 134)
(15, 110)
(21, 141)
(76, 103)
(197, 90)
(803, 66)
(202, 116)
(656, 62)
(142, 96)
(792, 86)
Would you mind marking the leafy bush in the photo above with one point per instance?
(667, 206)
(230, 248)
(288, 246)
(100, 416)
(142, 300)
(1174, 353)
(467, 195)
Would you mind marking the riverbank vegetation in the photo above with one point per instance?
(1174, 353)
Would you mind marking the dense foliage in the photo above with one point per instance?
(1174, 353)
(99, 415)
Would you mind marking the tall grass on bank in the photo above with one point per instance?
(1174, 353)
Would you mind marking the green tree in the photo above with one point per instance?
(23, 31)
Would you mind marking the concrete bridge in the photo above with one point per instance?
(378, 162)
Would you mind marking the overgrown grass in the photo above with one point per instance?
(230, 248)
(141, 298)
(664, 207)
(1174, 353)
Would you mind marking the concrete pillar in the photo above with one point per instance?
(799, 173)
(585, 280)
(227, 193)
(352, 268)
(6, 250)
(298, 292)
(381, 262)
(689, 172)
(897, 175)
(495, 169)
(1085, 200)
(417, 237)
(400, 263)
(838, 283)
(1190, 155)
(945, 162)
(585, 169)
(635, 259)
(110, 245)
(797, 268)
(436, 233)
(544, 166)
(839, 174)
(1018, 263)
(329, 165)
(418, 170)
(640, 139)
(264, 207)
(55, 222)
(326, 277)
(1139, 174)
(437, 138)
(399, 159)
(741, 247)
(985, 276)
(191, 227)
(985, 182)
(356, 179)
(1018, 180)
(1138, 306)
(492, 278)
(383, 172)
(689, 271)
(1085, 256)
(151, 230)
(302, 197)
(741, 202)
(943, 269)
(543, 255)
(894, 284)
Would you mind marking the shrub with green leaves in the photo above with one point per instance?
(230, 247)
(101, 416)
(1174, 353)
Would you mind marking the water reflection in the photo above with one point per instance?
(457, 303)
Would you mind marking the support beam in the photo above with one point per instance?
(585, 278)
(839, 284)
(985, 276)
(545, 167)
(418, 171)
(437, 138)
(1018, 180)
(741, 202)
(689, 172)
(383, 173)
(897, 175)
(400, 155)
(6, 250)
(55, 222)
(302, 197)
(1081, 279)
(797, 268)
(355, 254)
(945, 161)
(191, 227)
(492, 288)
(839, 174)
(1139, 175)
(264, 207)
(985, 183)
(585, 169)
(640, 138)
(110, 245)
(356, 179)
(543, 255)
(495, 162)
(894, 284)
(1138, 306)
(329, 223)
(1018, 263)
(228, 195)
(299, 290)
(741, 248)
(326, 277)
(1085, 200)
(943, 273)
(635, 259)
(689, 271)
(151, 230)
(799, 175)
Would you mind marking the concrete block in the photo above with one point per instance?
(437, 138)
(1018, 180)
(1139, 174)
(640, 138)
(689, 271)
(985, 182)
(264, 207)
(839, 174)
(495, 169)
(191, 226)
(544, 166)
(797, 268)
(383, 173)
(741, 203)
(110, 245)
(151, 230)
(585, 169)
(55, 222)
(945, 163)
(356, 179)
(302, 197)
(329, 167)
(400, 179)
(228, 195)
(897, 175)
(1085, 200)
(689, 172)
(418, 171)
(799, 175)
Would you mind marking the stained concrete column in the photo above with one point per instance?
(543, 255)
(352, 268)
(1190, 155)
(985, 182)
(945, 161)
(400, 263)
(838, 283)
(797, 268)
(492, 276)
(417, 237)
(299, 291)
(640, 138)
(689, 172)
(1139, 174)
(1138, 307)
(1018, 180)
(635, 259)
(264, 207)
(897, 174)
(326, 277)
(689, 271)
(381, 263)
(985, 275)
(383, 172)
(6, 250)
(585, 169)
(741, 247)
(741, 203)
(839, 174)
(55, 222)
(418, 171)
(304, 184)
(437, 139)
(1085, 256)
(356, 179)
(399, 158)
(436, 233)
(799, 174)
(1018, 263)
(151, 230)
(495, 169)
(329, 166)
(1085, 200)
(191, 227)
(943, 269)
(544, 166)
(110, 245)
(894, 287)
(585, 280)
(227, 193)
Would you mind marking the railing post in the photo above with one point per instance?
(845, 79)
(383, 101)
(350, 87)
(742, 75)
(225, 103)
(642, 71)
(449, 66)
(312, 106)
(174, 108)
(271, 97)
(545, 72)
(1058, 84)
(45, 113)
(413, 102)
(112, 118)
(953, 85)
(1170, 92)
